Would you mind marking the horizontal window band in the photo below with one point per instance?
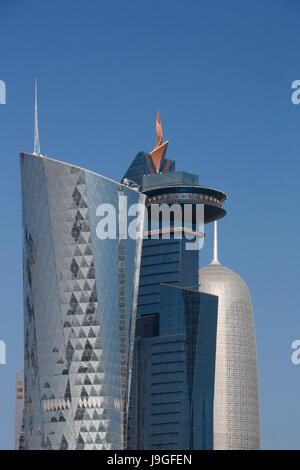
(169, 342)
(174, 402)
(167, 352)
(168, 372)
(166, 422)
(170, 443)
(155, 274)
(167, 243)
(159, 264)
(147, 303)
(167, 362)
(157, 283)
(169, 382)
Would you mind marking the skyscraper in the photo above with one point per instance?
(172, 392)
(127, 345)
(173, 387)
(80, 296)
(236, 402)
(166, 259)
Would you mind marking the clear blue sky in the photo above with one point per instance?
(220, 73)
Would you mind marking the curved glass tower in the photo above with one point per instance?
(236, 400)
(80, 297)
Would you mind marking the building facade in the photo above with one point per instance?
(172, 403)
(236, 402)
(172, 390)
(19, 410)
(80, 295)
(126, 344)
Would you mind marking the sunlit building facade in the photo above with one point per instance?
(80, 295)
(236, 403)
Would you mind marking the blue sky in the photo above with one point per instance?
(220, 73)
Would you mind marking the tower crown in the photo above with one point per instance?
(159, 151)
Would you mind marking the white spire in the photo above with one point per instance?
(215, 248)
(36, 150)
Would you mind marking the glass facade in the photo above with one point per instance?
(172, 391)
(164, 261)
(144, 165)
(173, 384)
(80, 298)
(171, 178)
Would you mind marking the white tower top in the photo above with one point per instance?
(36, 149)
(236, 392)
(215, 248)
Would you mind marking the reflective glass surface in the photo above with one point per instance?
(79, 309)
(173, 386)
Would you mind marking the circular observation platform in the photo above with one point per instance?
(212, 199)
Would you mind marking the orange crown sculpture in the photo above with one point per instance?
(159, 151)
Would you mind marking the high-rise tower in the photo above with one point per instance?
(89, 302)
(80, 296)
(172, 393)
(236, 401)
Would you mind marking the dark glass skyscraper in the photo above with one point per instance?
(144, 165)
(173, 386)
(172, 392)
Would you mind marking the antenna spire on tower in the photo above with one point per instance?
(215, 259)
(36, 149)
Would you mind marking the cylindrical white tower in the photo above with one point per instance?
(236, 401)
